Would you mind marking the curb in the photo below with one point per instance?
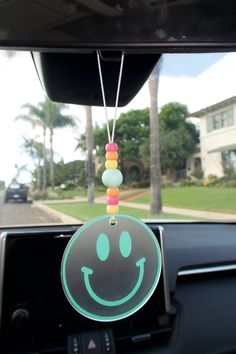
(65, 219)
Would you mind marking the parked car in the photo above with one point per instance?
(16, 191)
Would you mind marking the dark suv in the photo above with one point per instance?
(16, 191)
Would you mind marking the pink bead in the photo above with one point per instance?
(111, 147)
(112, 200)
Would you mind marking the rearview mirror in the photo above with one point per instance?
(74, 77)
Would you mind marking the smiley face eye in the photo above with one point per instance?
(103, 247)
(125, 244)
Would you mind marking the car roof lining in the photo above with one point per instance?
(161, 26)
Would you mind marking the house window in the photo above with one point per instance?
(220, 120)
(217, 121)
(229, 161)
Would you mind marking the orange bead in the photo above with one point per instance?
(113, 192)
(111, 155)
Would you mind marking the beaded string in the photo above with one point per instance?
(111, 177)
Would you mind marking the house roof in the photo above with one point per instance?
(214, 107)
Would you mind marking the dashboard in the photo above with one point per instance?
(191, 311)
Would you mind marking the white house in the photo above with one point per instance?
(217, 138)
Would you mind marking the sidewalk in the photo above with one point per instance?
(59, 201)
(201, 214)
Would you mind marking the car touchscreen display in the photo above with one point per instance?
(33, 299)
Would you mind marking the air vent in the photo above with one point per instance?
(147, 328)
(146, 337)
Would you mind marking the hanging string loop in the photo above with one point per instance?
(110, 135)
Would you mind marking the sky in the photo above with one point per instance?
(197, 80)
(192, 65)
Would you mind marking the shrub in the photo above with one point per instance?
(39, 195)
(167, 183)
(139, 184)
(187, 182)
(223, 182)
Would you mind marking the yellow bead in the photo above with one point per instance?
(111, 164)
(112, 209)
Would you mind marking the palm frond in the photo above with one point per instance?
(36, 113)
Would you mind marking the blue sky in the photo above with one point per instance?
(188, 64)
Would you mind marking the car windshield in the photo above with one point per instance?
(52, 156)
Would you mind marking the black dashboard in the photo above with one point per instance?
(192, 310)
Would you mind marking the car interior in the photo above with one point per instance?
(193, 308)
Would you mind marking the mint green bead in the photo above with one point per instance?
(112, 177)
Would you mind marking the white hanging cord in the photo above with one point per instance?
(110, 136)
(117, 97)
(103, 96)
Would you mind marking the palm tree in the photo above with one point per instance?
(34, 150)
(47, 115)
(155, 166)
(19, 170)
(55, 119)
(90, 164)
(37, 118)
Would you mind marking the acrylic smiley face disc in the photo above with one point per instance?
(110, 271)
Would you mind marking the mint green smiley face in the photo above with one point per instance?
(103, 250)
(110, 272)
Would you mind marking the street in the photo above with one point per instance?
(17, 213)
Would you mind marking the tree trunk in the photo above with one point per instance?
(51, 159)
(44, 161)
(90, 164)
(155, 166)
(38, 169)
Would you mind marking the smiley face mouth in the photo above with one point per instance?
(87, 272)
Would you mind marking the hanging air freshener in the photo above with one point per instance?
(112, 264)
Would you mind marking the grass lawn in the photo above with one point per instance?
(71, 193)
(201, 198)
(84, 212)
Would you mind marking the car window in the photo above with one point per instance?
(14, 186)
(47, 176)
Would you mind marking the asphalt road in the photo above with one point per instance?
(17, 213)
